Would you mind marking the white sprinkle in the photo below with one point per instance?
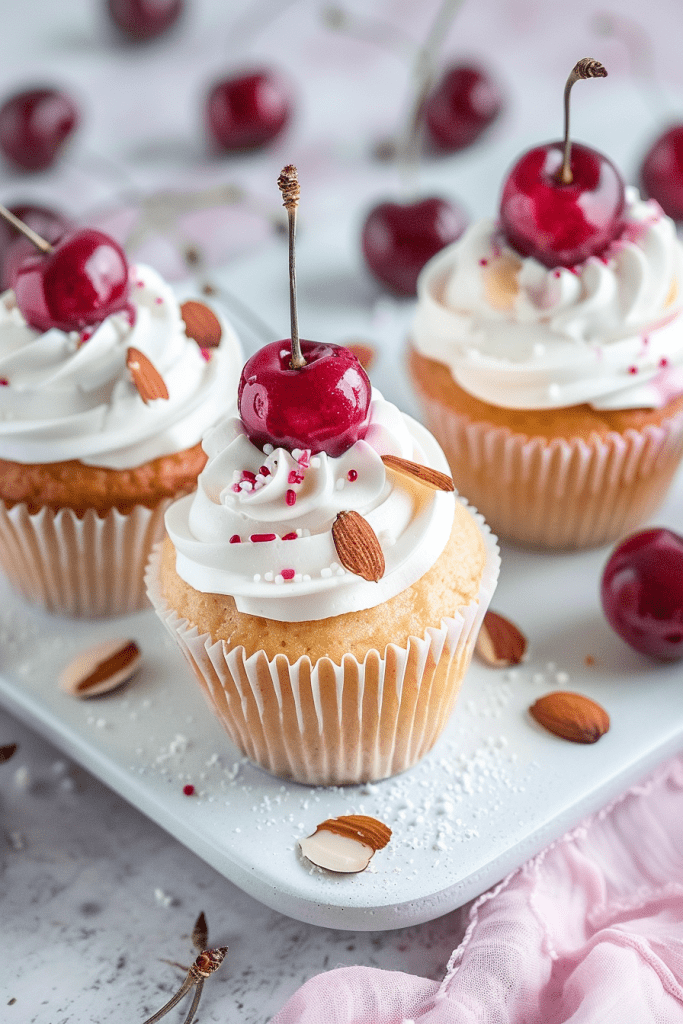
(340, 484)
(269, 577)
(551, 666)
(334, 565)
(306, 577)
(315, 462)
(341, 572)
(279, 579)
(554, 390)
(325, 573)
(268, 449)
(299, 532)
(305, 532)
(246, 485)
(562, 677)
(538, 677)
(22, 779)
(257, 577)
(236, 476)
(297, 577)
(161, 897)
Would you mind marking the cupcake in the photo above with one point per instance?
(100, 430)
(318, 674)
(547, 355)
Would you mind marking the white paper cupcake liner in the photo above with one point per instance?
(560, 493)
(87, 567)
(328, 724)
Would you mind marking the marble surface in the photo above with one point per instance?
(95, 898)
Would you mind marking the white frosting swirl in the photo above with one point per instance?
(69, 395)
(230, 535)
(516, 334)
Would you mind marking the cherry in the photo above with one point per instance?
(561, 225)
(461, 107)
(323, 406)
(34, 126)
(642, 592)
(77, 283)
(398, 239)
(14, 247)
(144, 19)
(247, 111)
(661, 173)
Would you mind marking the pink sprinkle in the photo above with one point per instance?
(235, 539)
(139, 284)
(290, 497)
(304, 459)
(264, 471)
(4, 382)
(158, 300)
(483, 263)
(633, 369)
(206, 353)
(85, 336)
(294, 477)
(188, 790)
(645, 339)
(573, 270)
(557, 273)
(662, 362)
(287, 574)
(236, 488)
(260, 538)
(248, 475)
(352, 475)
(290, 536)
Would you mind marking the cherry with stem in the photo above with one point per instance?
(586, 68)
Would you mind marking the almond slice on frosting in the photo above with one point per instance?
(146, 377)
(101, 668)
(345, 844)
(201, 324)
(357, 546)
(424, 474)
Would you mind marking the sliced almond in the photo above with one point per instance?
(345, 844)
(201, 324)
(357, 546)
(364, 352)
(425, 474)
(7, 751)
(571, 716)
(500, 643)
(146, 377)
(101, 668)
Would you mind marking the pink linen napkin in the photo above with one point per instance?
(590, 930)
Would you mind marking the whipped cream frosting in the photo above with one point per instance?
(259, 525)
(516, 334)
(69, 395)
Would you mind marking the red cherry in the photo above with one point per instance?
(461, 107)
(662, 172)
(247, 111)
(642, 593)
(34, 125)
(562, 225)
(79, 283)
(15, 247)
(144, 19)
(323, 406)
(398, 239)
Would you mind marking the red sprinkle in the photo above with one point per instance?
(304, 460)
(235, 539)
(4, 382)
(260, 538)
(264, 471)
(573, 270)
(662, 362)
(352, 475)
(294, 477)
(188, 790)
(483, 263)
(139, 284)
(206, 353)
(557, 273)
(236, 488)
(290, 536)
(248, 475)
(287, 574)
(290, 497)
(633, 369)
(158, 300)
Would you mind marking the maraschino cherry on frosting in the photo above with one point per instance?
(562, 203)
(75, 283)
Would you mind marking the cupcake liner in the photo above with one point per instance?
(87, 567)
(329, 724)
(558, 493)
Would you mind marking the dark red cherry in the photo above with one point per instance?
(247, 111)
(398, 239)
(461, 107)
(15, 247)
(662, 172)
(562, 225)
(34, 126)
(79, 283)
(642, 592)
(144, 19)
(324, 406)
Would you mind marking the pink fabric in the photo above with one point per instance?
(590, 930)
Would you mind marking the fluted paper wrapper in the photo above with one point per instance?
(328, 724)
(86, 567)
(558, 493)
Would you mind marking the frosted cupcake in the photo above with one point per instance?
(551, 369)
(324, 582)
(100, 429)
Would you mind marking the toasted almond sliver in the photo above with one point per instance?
(345, 844)
(101, 668)
(500, 643)
(146, 377)
(357, 546)
(424, 474)
(571, 716)
(201, 324)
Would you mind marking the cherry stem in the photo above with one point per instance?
(39, 242)
(422, 79)
(288, 183)
(585, 68)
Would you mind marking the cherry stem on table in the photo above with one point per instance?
(32, 236)
(585, 68)
(288, 183)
